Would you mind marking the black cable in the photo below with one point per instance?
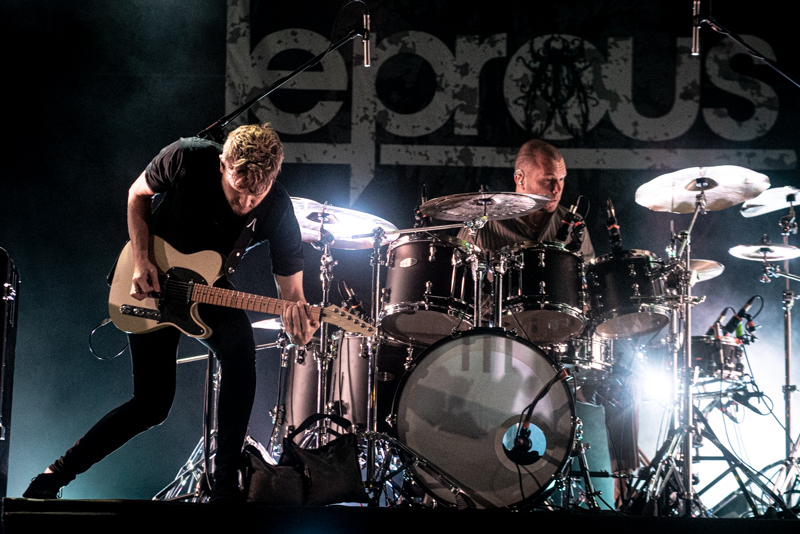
(91, 348)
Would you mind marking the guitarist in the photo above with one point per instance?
(213, 197)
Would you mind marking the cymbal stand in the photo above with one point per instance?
(672, 465)
(791, 469)
(323, 358)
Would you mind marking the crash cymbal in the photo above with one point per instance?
(723, 186)
(274, 323)
(765, 252)
(495, 206)
(706, 269)
(771, 200)
(341, 224)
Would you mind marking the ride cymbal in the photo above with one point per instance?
(723, 186)
(340, 225)
(492, 205)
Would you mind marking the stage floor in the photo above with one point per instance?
(39, 517)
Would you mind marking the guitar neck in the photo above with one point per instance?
(229, 298)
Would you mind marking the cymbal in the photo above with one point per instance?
(706, 269)
(495, 206)
(274, 323)
(765, 252)
(724, 186)
(341, 224)
(771, 200)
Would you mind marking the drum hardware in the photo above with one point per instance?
(766, 252)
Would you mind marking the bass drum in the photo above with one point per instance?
(460, 406)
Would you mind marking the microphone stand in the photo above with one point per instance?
(214, 131)
(714, 25)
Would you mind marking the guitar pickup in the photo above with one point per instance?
(136, 311)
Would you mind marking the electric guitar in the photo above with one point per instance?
(186, 281)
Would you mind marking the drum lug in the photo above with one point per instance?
(542, 289)
(391, 420)
(428, 288)
(385, 294)
(541, 259)
(633, 270)
(432, 253)
(635, 288)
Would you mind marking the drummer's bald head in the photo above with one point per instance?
(534, 152)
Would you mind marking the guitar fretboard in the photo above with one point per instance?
(244, 301)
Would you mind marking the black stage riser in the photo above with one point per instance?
(40, 517)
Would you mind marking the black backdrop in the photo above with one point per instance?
(98, 88)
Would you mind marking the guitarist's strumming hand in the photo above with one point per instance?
(145, 280)
(297, 323)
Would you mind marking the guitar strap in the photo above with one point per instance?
(257, 216)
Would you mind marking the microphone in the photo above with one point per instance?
(421, 220)
(566, 224)
(353, 303)
(736, 320)
(696, 28)
(521, 453)
(365, 40)
(613, 227)
(711, 329)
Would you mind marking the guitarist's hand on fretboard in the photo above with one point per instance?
(297, 323)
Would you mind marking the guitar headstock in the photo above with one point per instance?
(349, 322)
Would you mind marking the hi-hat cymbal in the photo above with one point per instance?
(706, 269)
(494, 206)
(274, 323)
(765, 252)
(341, 224)
(723, 186)
(771, 200)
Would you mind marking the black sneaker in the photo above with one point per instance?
(46, 486)
(226, 489)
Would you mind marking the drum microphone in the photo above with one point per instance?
(613, 227)
(736, 320)
(520, 453)
(353, 303)
(566, 223)
(711, 329)
(421, 220)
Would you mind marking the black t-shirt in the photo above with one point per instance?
(194, 214)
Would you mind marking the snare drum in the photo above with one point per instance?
(459, 408)
(428, 287)
(626, 291)
(544, 295)
(590, 357)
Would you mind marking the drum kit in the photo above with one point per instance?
(467, 389)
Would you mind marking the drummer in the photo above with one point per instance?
(539, 170)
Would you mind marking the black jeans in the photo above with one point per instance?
(153, 358)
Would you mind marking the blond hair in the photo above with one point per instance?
(256, 154)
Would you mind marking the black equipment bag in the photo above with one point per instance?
(313, 477)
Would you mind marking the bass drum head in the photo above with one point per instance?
(459, 408)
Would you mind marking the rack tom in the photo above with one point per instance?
(428, 288)
(544, 295)
(627, 294)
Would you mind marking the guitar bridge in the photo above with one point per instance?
(136, 311)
